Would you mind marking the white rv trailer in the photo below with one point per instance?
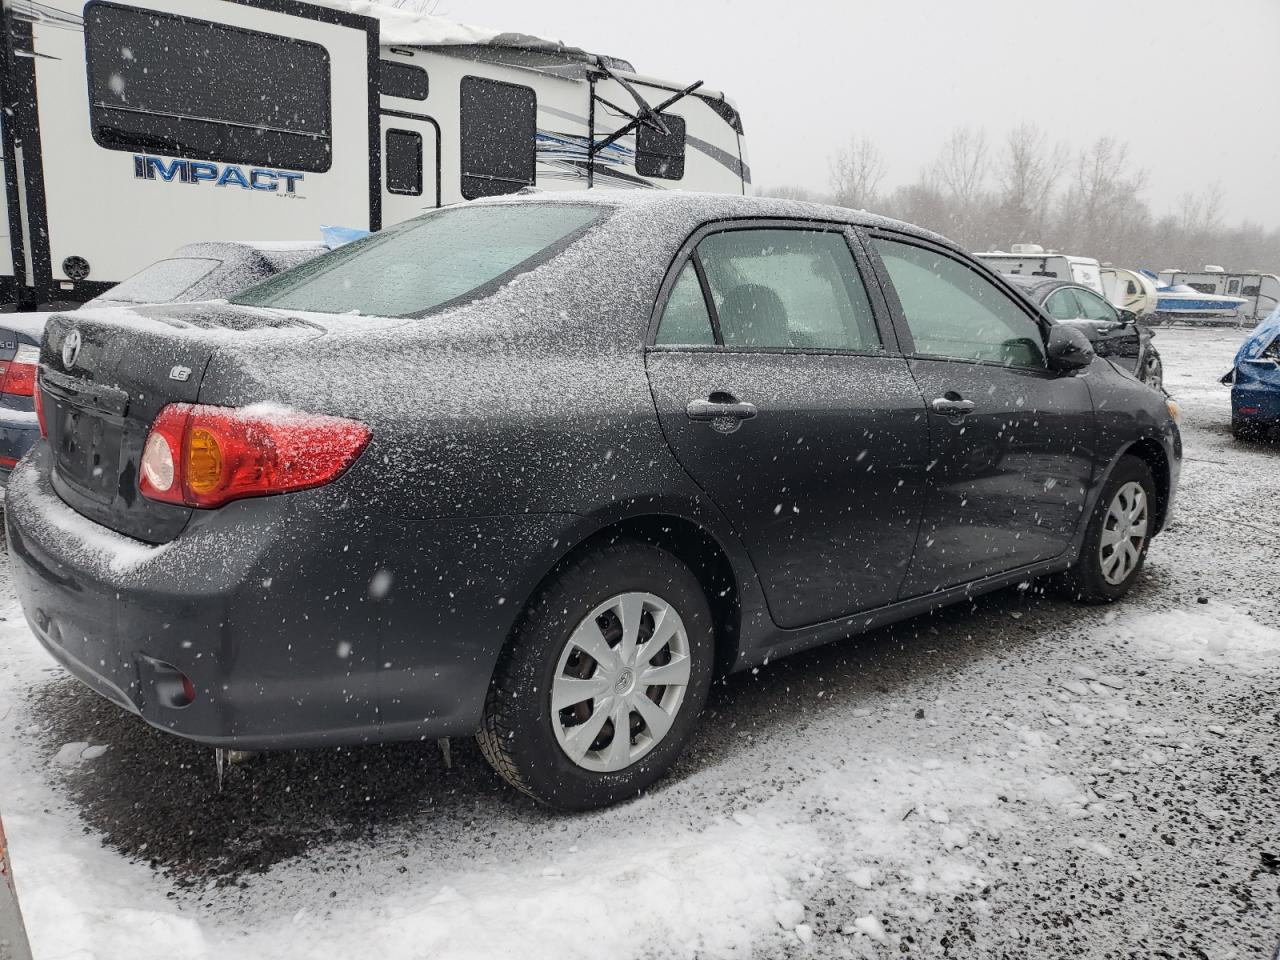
(1262, 290)
(1032, 260)
(132, 128)
(1129, 290)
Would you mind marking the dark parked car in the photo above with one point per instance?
(541, 468)
(1115, 334)
(198, 271)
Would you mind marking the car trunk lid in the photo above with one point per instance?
(106, 374)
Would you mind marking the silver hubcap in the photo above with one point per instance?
(1123, 533)
(620, 682)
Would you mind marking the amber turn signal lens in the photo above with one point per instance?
(204, 461)
(1174, 410)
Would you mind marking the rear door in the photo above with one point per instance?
(1012, 442)
(788, 404)
(410, 165)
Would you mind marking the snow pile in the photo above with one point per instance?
(1215, 633)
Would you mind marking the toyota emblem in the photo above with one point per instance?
(71, 349)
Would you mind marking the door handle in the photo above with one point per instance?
(952, 406)
(709, 410)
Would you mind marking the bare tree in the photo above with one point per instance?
(414, 6)
(857, 170)
(1104, 209)
(961, 168)
(1026, 179)
(1202, 213)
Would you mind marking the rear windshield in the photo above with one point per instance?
(163, 281)
(417, 266)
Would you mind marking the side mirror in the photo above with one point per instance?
(1068, 349)
(1126, 316)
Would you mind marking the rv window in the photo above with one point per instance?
(661, 155)
(1250, 290)
(499, 137)
(403, 80)
(205, 91)
(1204, 287)
(404, 162)
(1233, 287)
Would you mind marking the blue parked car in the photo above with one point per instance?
(1255, 382)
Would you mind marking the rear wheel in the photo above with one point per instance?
(602, 684)
(1115, 545)
(1245, 430)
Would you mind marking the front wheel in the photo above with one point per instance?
(601, 685)
(1115, 545)
(1153, 371)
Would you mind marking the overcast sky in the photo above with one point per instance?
(807, 74)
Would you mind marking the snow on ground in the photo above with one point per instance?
(1017, 777)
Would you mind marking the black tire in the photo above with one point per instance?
(1153, 374)
(517, 736)
(1245, 430)
(1086, 581)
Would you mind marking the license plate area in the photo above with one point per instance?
(87, 450)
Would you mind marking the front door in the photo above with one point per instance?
(779, 396)
(410, 165)
(1012, 442)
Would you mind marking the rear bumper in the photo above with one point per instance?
(19, 430)
(268, 607)
(1255, 403)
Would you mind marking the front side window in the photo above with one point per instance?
(685, 319)
(404, 162)
(426, 263)
(1093, 307)
(189, 88)
(1062, 305)
(499, 137)
(661, 155)
(788, 288)
(954, 312)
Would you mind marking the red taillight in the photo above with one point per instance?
(205, 456)
(18, 376)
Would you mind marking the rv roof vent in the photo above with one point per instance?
(1027, 249)
(1213, 268)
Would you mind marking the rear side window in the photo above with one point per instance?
(499, 137)
(956, 313)
(421, 264)
(402, 80)
(788, 288)
(685, 320)
(661, 155)
(189, 88)
(404, 162)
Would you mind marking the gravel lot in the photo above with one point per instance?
(1018, 777)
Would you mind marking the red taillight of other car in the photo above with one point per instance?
(18, 376)
(205, 456)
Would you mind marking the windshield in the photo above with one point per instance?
(163, 281)
(425, 263)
